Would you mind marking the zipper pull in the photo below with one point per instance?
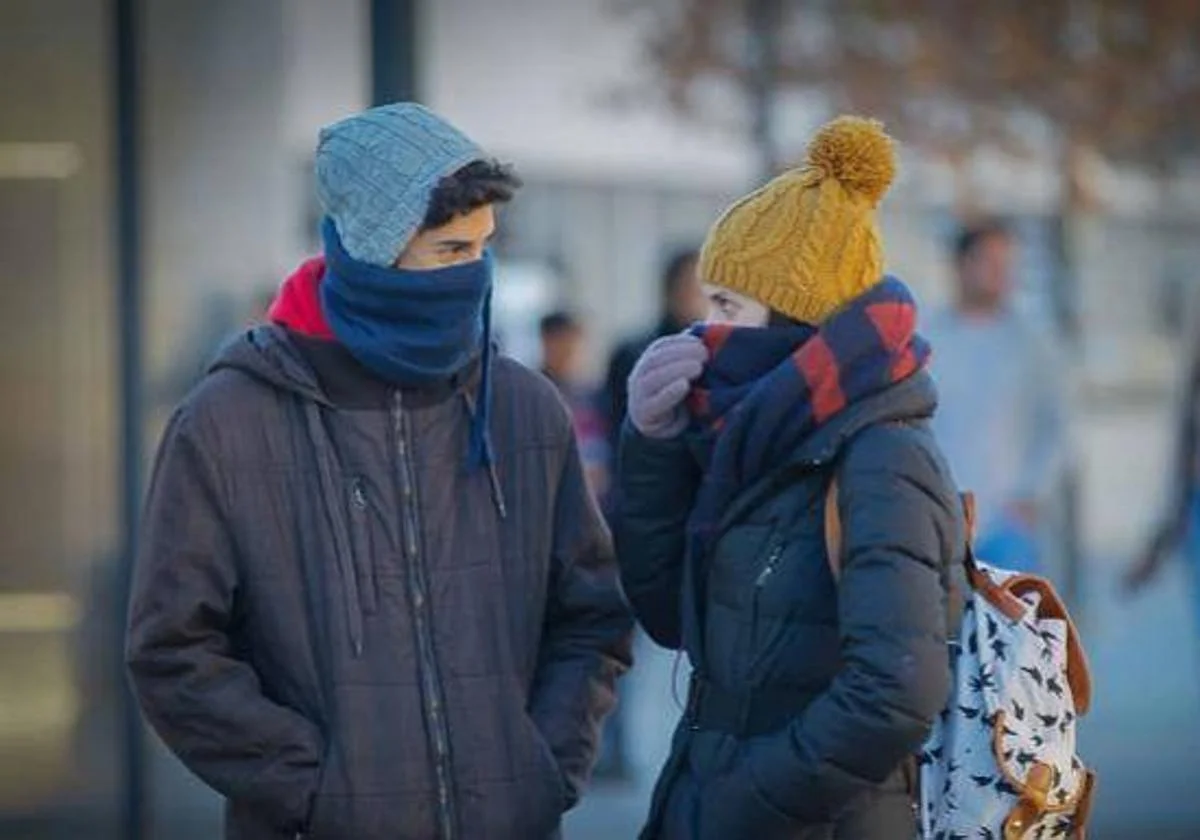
(358, 495)
(772, 561)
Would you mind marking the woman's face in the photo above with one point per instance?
(729, 307)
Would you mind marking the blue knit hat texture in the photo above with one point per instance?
(376, 172)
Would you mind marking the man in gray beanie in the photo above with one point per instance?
(374, 597)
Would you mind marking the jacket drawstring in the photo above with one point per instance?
(337, 523)
(497, 491)
(489, 461)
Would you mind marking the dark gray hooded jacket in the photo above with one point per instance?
(349, 636)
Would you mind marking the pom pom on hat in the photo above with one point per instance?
(857, 153)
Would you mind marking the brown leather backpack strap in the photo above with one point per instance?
(833, 529)
(967, 500)
(1006, 602)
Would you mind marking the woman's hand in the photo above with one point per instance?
(660, 383)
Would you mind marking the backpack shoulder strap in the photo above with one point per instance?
(833, 527)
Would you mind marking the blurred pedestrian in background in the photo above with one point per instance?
(562, 337)
(373, 596)
(1178, 533)
(681, 304)
(809, 694)
(1003, 399)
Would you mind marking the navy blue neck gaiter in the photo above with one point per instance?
(413, 328)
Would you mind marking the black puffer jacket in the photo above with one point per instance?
(812, 694)
(335, 626)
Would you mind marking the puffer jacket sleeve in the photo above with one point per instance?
(902, 528)
(201, 697)
(587, 634)
(658, 486)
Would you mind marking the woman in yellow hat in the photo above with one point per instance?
(809, 694)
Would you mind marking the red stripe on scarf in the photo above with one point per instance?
(895, 323)
(715, 336)
(905, 365)
(818, 365)
(698, 402)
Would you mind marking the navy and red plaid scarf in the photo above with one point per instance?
(764, 391)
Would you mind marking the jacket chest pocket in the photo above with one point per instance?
(737, 564)
(769, 568)
(793, 580)
(361, 545)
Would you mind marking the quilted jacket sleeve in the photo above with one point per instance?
(587, 635)
(658, 484)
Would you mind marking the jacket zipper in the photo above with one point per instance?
(772, 563)
(418, 589)
(764, 577)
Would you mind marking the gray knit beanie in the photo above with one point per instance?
(377, 170)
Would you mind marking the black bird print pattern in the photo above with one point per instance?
(1012, 709)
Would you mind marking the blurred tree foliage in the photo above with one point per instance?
(1118, 78)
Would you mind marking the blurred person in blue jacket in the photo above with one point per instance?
(1003, 408)
(682, 304)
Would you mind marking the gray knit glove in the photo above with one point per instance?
(660, 383)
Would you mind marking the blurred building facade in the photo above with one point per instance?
(229, 96)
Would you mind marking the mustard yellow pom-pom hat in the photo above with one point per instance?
(807, 243)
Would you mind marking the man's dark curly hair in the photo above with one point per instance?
(477, 184)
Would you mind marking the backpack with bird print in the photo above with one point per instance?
(1000, 763)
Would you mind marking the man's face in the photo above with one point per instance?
(462, 239)
(688, 303)
(986, 272)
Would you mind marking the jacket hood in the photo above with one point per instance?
(297, 305)
(914, 398)
(268, 354)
